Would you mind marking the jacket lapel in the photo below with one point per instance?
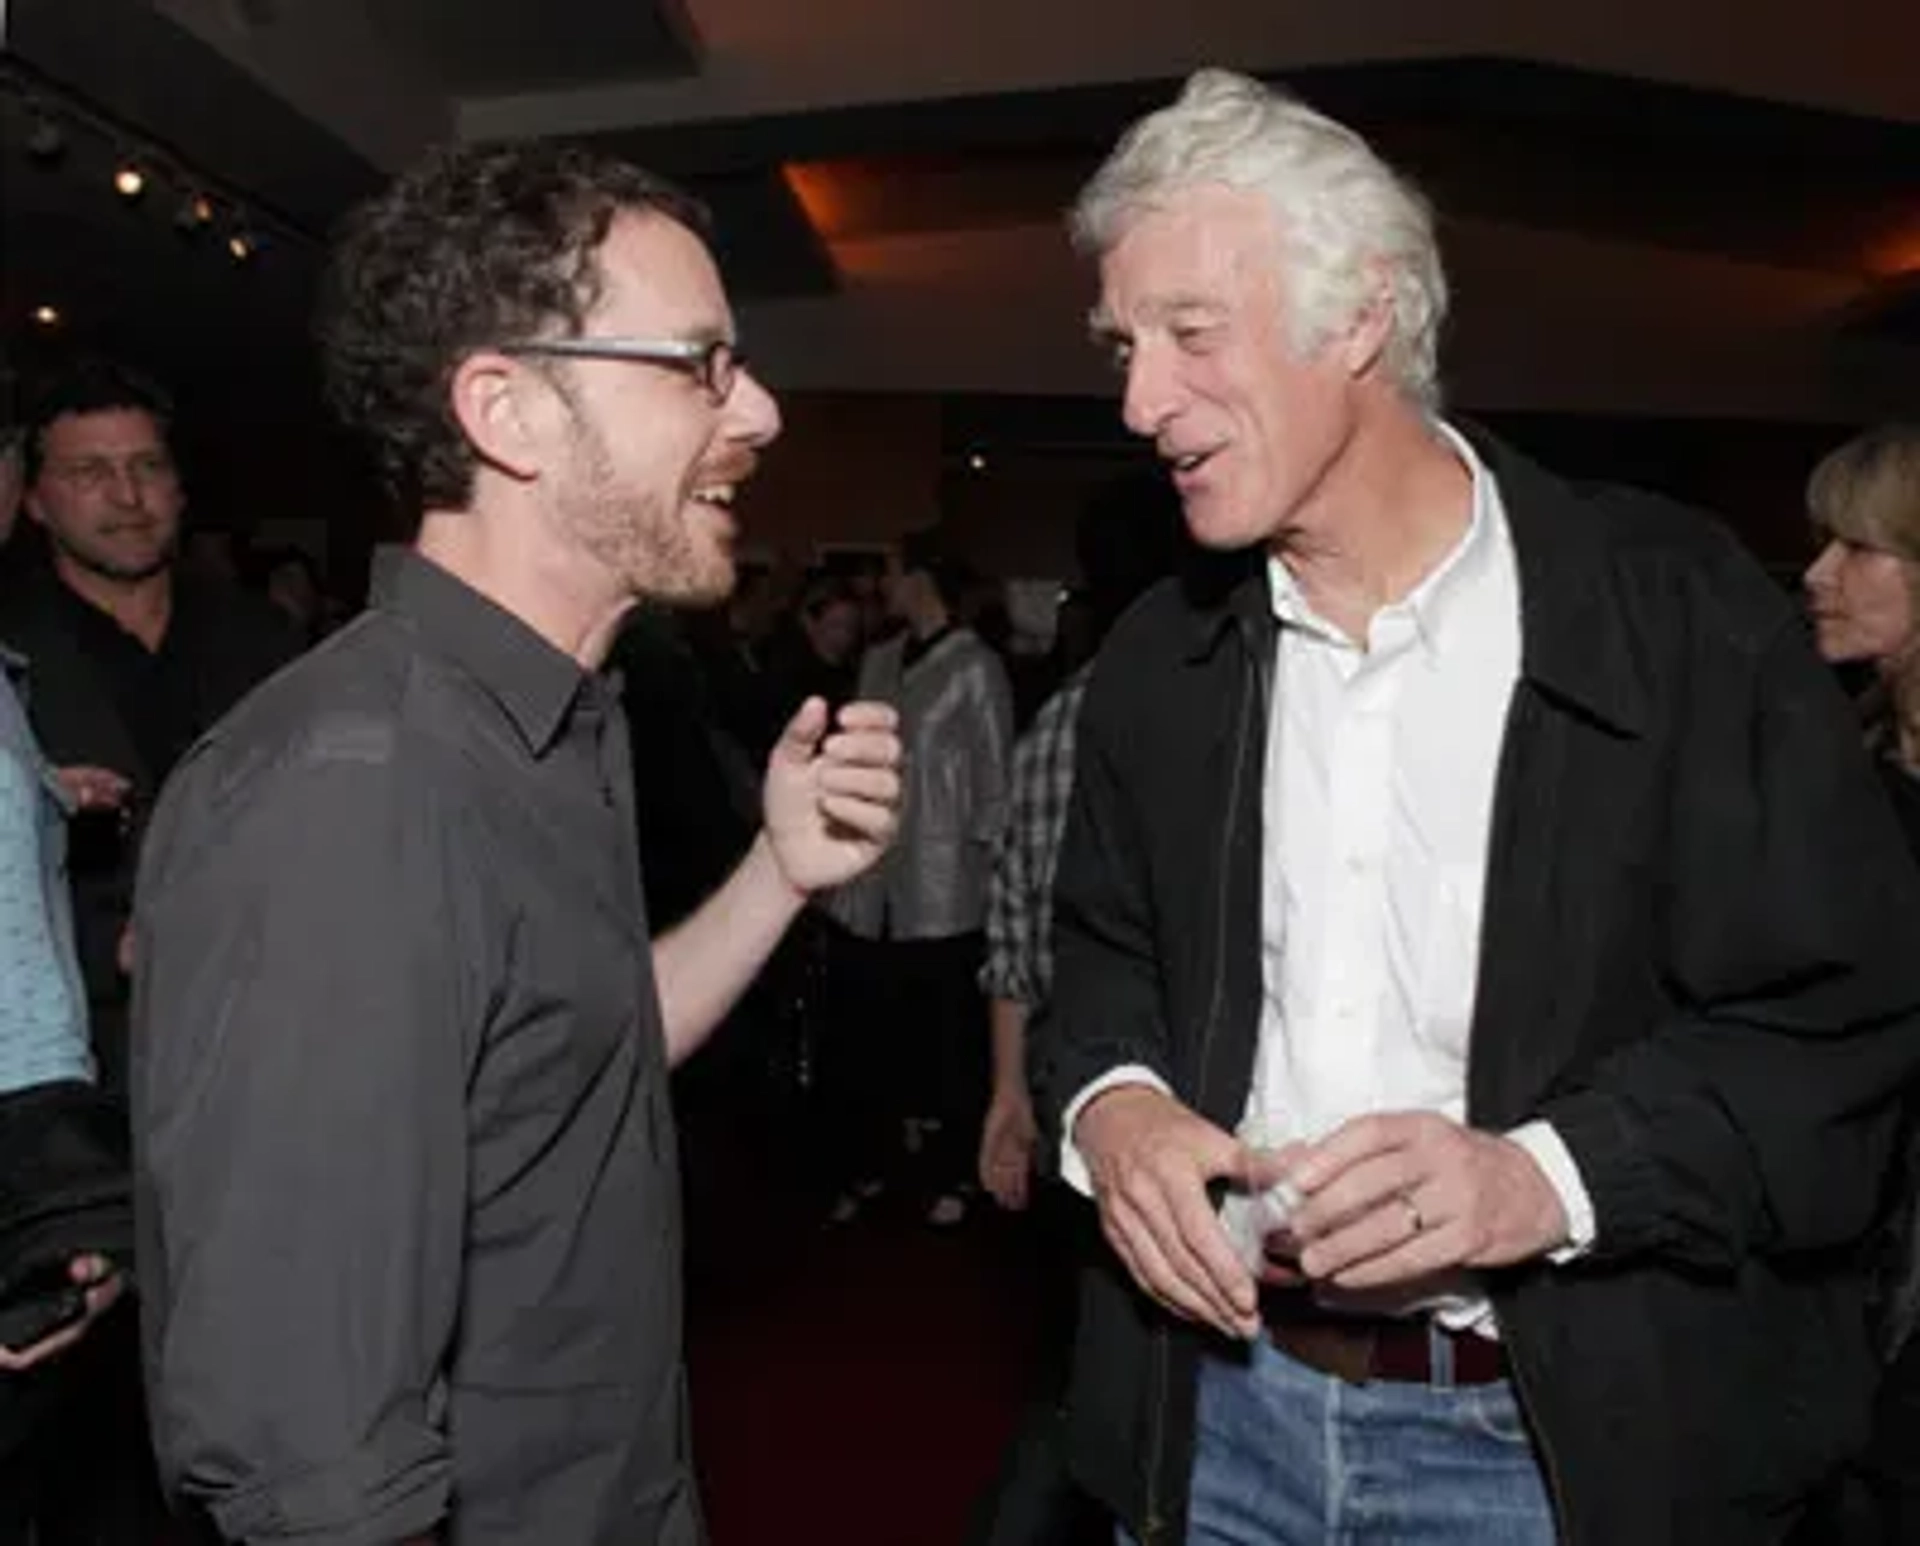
(1580, 706)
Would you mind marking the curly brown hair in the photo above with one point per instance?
(479, 245)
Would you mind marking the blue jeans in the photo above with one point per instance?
(1286, 1456)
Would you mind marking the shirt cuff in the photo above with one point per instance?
(1073, 1169)
(1002, 978)
(1549, 1151)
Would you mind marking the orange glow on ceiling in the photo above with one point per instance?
(856, 197)
(1897, 253)
(827, 201)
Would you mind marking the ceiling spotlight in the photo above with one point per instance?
(195, 213)
(242, 245)
(977, 461)
(129, 180)
(46, 140)
(47, 316)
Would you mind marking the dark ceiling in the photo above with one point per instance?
(1526, 146)
(477, 47)
(1535, 145)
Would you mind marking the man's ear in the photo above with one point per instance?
(493, 402)
(1367, 335)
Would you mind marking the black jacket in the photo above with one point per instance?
(221, 644)
(64, 1184)
(1696, 963)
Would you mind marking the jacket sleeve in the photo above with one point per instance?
(1760, 1116)
(993, 750)
(1105, 1010)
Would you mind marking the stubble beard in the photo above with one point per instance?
(98, 561)
(641, 536)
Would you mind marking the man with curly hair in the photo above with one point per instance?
(409, 1212)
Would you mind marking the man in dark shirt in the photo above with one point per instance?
(816, 650)
(127, 661)
(405, 1162)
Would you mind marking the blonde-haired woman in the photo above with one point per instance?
(1864, 588)
(1864, 595)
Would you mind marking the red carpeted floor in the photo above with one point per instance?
(863, 1392)
(852, 1385)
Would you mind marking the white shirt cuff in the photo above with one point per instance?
(1549, 1151)
(1073, 1169)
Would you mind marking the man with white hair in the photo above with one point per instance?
(1481, 1068)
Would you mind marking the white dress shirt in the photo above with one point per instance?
(1377, 808)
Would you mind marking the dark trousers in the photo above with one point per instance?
(904, 1035)
(1032, 1500)
(1877, 1501)
(76, 1467)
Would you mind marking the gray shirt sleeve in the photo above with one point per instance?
(303, 1009)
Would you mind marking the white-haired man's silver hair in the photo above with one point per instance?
(1348, 221)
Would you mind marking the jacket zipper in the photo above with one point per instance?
(1518, 718)
(1155, 1524)
(1216, 1005)
(1556, 1493)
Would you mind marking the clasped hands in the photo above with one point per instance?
(1388, 1203)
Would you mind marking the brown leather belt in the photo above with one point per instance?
(1360, 1348)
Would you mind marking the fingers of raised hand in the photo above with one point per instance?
(879, 786)
(861, 748)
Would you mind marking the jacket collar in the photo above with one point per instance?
(1572, 648)
(1226, 593)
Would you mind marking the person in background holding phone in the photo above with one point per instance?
(43, 1042)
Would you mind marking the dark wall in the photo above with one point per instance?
(1751, 475)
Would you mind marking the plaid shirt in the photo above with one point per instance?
(1020, 894)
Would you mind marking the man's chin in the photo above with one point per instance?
(1214, 526)
(695, 591)
(130, 571)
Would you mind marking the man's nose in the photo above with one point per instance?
(1150, 398)
(125, 486)
(755, 409)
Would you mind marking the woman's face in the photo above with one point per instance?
(1861, 599)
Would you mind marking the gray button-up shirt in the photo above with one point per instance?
(406, 1178)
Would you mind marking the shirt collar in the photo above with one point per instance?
(1429, 602)
(535, 684)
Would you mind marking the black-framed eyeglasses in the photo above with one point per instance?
(714, 364)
